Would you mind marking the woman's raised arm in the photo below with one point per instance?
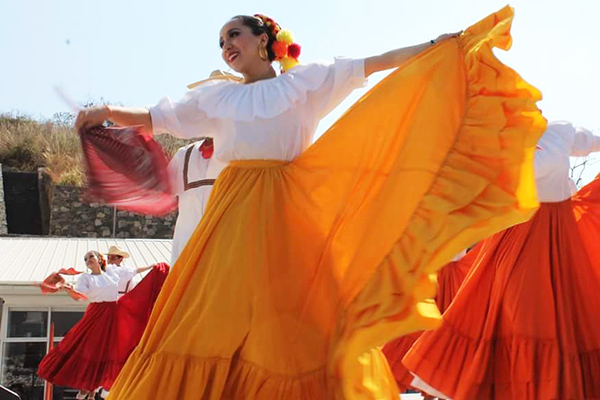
(124, 116)
(395, 58)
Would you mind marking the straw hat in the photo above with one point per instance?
(217, 75)
(115, 250)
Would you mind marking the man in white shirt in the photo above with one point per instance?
(193, 171)
(116, 256)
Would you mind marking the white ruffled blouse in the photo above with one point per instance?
(269, 119)
(104, 287)
(552, 167)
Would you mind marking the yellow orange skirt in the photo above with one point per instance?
(299, 271)
(524, 324)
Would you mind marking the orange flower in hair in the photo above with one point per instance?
(280, 49)
(101, 261)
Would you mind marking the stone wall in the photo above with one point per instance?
(72, 216)
(3, 223)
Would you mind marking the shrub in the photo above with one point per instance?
(26, 144)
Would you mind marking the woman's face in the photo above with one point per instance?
(239, 46)
(91, 261)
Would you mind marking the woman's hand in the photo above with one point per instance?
(93, 116)
(447, 36)
(120, 116)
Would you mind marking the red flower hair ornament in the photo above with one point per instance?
(285, 49)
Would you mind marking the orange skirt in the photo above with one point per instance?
(451, 277)
(449, 280)
(525, 323)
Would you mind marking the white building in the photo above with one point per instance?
(26, 314)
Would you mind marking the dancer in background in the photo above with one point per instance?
(192, 171)
(525, 324)
(310, 257)
(116, 256)
(93, 352)
(449, 279)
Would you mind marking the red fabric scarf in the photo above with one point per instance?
(126, 167)
(54, 282)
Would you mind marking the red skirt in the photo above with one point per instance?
(93, 352)
(525, 323)
(449, 280)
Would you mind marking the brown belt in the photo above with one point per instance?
(126, 288)
(187, 185)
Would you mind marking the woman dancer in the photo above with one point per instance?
(93, 352)
(524, 325)
(308, 258)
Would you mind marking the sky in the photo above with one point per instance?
(135, 52)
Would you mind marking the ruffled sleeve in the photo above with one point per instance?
(184, 119)
(83, 284)
(341, 78)
(561, 140)
(584, 142)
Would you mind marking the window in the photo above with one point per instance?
(24, 345)
(20, 363)
(61, 393)
(29, 324)
(64, 320)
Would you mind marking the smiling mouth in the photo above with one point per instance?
(232, 57)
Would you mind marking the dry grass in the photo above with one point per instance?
(26, 144)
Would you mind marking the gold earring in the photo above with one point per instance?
(262, 53)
